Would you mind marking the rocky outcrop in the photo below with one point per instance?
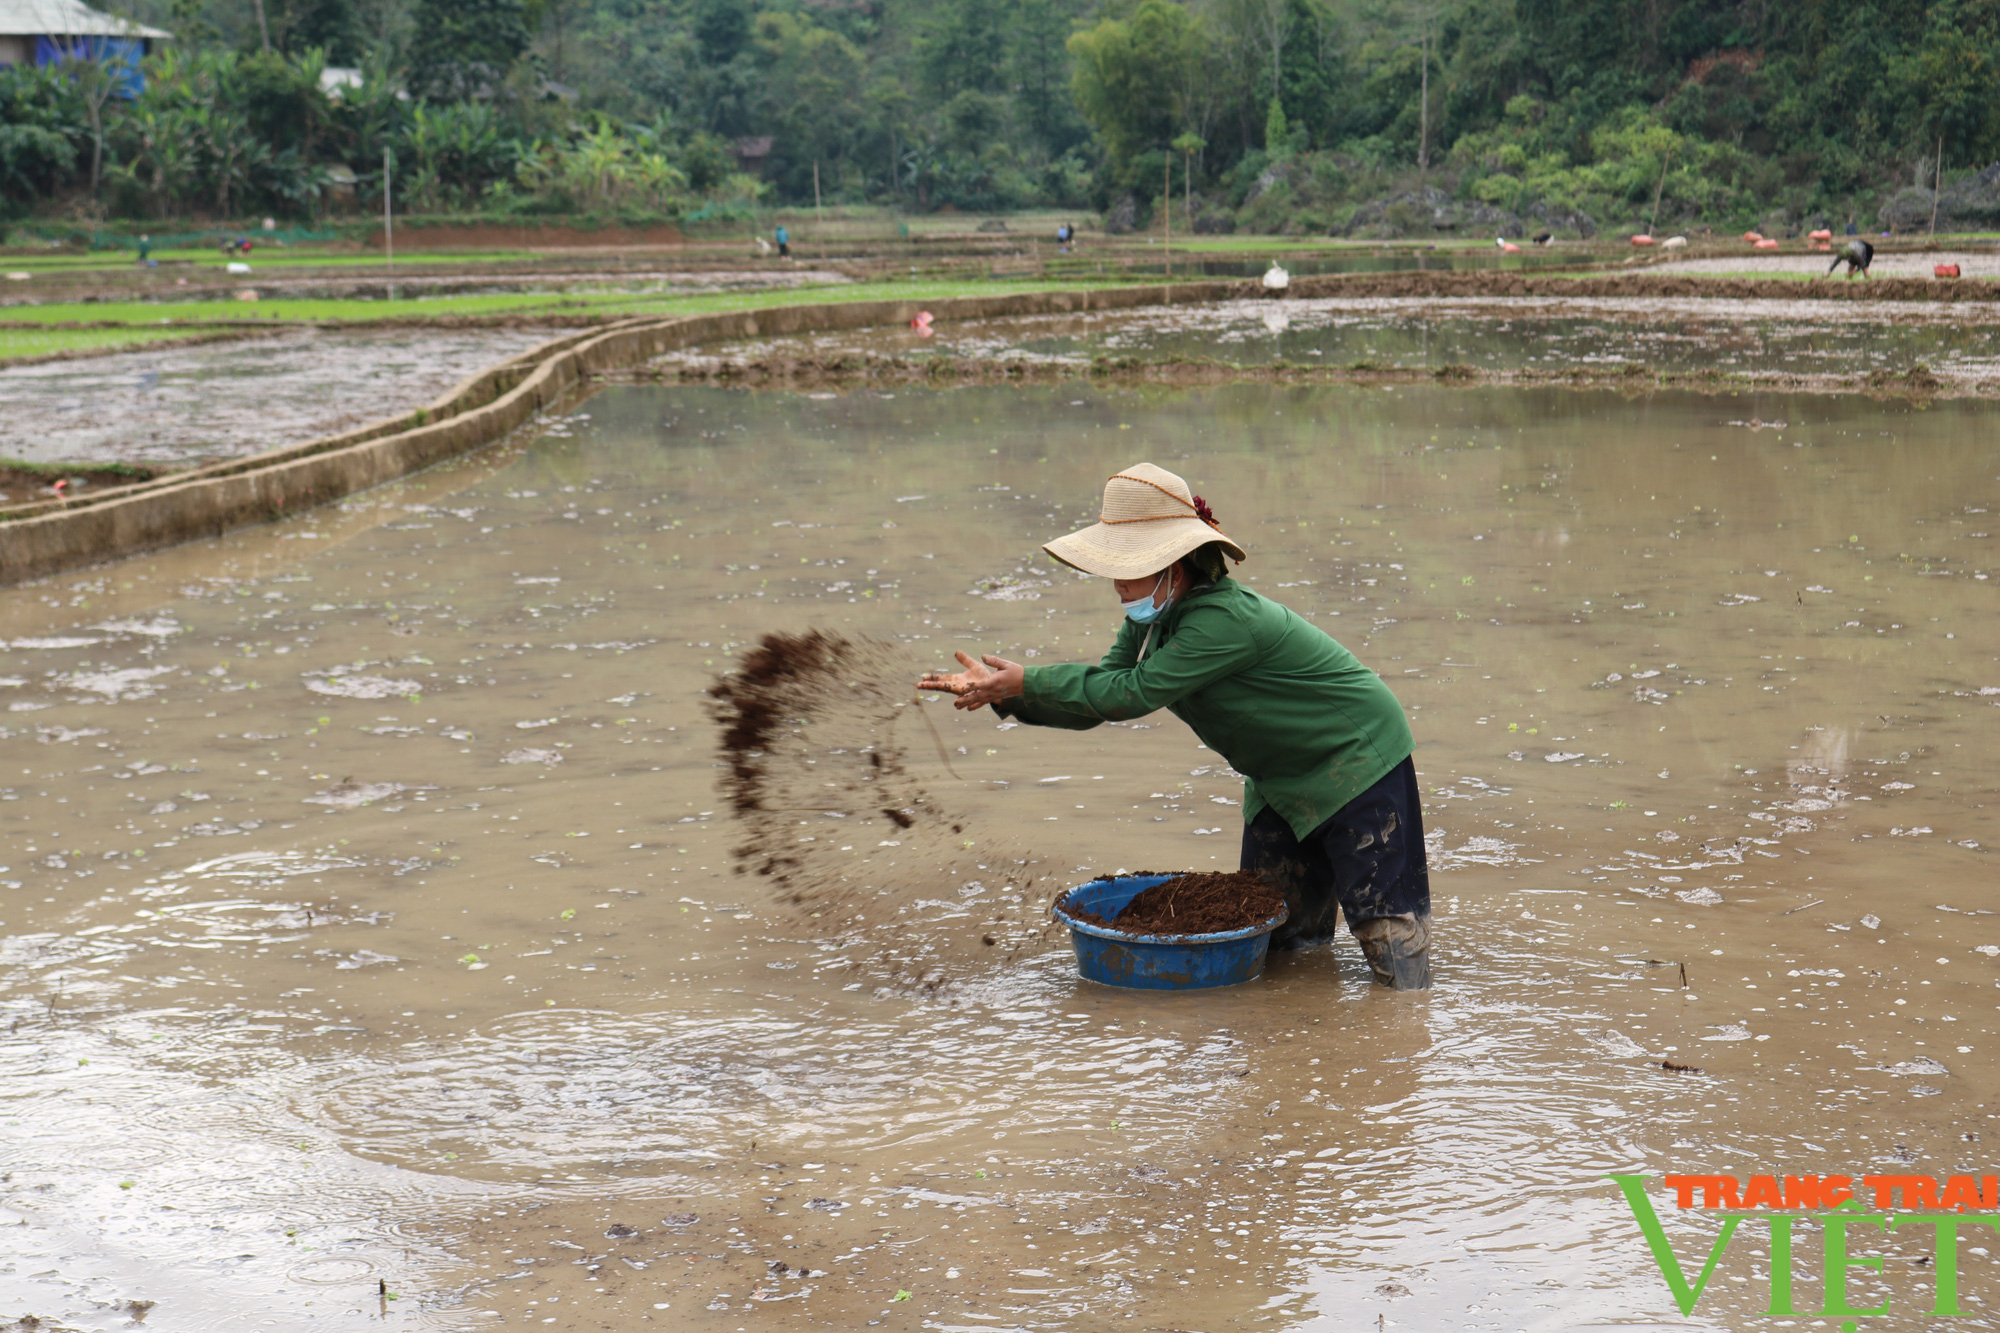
(1910, 210)
(1969, 204)
(1431, 211)
(1210, 217)
(1547, 217)
(1275, 174)
(1428, 211)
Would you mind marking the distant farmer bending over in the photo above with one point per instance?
(1331, 811)
(1856, 253)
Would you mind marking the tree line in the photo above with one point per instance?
(1280, 115)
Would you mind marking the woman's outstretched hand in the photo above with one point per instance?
(977, 685)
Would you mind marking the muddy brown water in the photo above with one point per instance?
(1972, 264)
(1771, 337)
(174, 283)
(369, 913)
(1357, 260)
(181, 405)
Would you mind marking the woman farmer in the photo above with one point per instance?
(1330, 803)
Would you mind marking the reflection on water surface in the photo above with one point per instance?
(369, 912)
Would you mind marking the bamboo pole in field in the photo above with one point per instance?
(1937, 185)
(1659, 190)
(388, 213)
(1424, 109)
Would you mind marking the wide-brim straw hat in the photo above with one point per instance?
(1149, 520)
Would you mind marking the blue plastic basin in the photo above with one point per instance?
(1158, 962)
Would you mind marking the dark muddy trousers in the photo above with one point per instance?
(1367, 861)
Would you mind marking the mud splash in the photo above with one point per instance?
(779, 713)
(810, 743)
(783, 674)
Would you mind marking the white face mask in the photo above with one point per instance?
(1142, 611)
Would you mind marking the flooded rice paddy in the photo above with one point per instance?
(371, 953)
(173, 284)
(1345, 259)
(1983, 262)
(184, 405)
(418, 286)
(1747, 339)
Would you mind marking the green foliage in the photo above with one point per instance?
(1038, 73)
(451, 153)
(221, 133)
(464, 48)
(1534, 156)
(961, 47)
(1277, 130)
(331, 26)
(42, 134)
(1301, 193)
(603, 170)
(282, 97)
(1303, 110)
(805, 70)
(707, 162)
(1133, 75)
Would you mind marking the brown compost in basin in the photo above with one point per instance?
(1194, 903)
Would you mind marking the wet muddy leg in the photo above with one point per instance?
(1300, 872)
(1375, 849)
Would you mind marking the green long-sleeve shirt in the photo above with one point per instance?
(1308, 726)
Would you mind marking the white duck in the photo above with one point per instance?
(1276, 279)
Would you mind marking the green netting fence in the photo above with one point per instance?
(127, 238)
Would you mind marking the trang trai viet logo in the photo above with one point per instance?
(1834, 1205)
